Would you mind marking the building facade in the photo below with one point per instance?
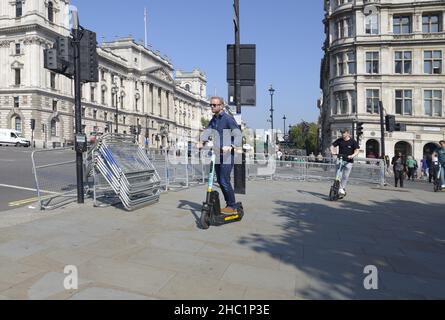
(390, 51)
(136, 84)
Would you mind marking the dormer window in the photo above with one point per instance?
(187, 87)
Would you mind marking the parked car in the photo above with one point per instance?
(9, 137)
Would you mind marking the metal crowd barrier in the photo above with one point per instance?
(55, 177)
(127, 169)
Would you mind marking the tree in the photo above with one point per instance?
(304, 136)
(204, 122)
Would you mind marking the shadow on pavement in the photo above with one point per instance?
(332, 245)
(195, 209)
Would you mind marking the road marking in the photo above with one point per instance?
(26, 201)
(26, 189)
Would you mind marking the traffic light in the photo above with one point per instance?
(50, 60)
(400, 127)
(390, 123)
(33, 124)
(89, 64)
(360, 129)
(60, 59)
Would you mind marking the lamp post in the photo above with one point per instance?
(116, 117)
(272, 91)
(284, 119)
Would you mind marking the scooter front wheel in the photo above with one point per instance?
(205, 219)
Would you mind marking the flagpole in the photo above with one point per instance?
(145, 25)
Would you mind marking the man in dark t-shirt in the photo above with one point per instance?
(348, 149)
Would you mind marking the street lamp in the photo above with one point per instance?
(272, 91)
(114, 90)
(284, 119)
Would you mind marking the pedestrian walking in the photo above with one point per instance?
(399, 168)
(411, 165)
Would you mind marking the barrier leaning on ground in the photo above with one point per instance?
(127, 169)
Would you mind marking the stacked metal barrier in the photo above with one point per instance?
(127, 169)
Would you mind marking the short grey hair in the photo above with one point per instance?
(221, 100)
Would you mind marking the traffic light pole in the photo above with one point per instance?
(78, 108)
(240, 169)
(382, 129)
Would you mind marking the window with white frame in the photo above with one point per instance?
(402, 24)
(433, 103)
(372, 62)
(340, 64)
(432, 23)
(350, 55)
(372, 101)
(432, 62)
(372, 24)
(404, 102)
(403, 62)
(341, 102)
(18, 124)
(344, 28)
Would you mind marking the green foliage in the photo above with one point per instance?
(306, 141)
(204, 122)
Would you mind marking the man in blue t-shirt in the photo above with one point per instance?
(440, 154)
(229, 138)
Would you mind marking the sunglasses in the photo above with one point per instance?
(214, 105)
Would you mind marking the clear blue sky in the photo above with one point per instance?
(194, 33)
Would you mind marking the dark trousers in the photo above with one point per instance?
(399, 176)
(223, 172)
(411, 173)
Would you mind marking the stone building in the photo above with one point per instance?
(390, 51)
(136, 84)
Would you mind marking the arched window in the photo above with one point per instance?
(50, 12)
(187, 87)
(18, 124)
(53, 128)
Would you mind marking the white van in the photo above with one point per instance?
(13, 138)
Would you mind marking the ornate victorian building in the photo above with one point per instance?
(390, 51)
(136, 84)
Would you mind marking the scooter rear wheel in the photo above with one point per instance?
(205, 219)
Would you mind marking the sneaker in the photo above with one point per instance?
(229, 210)
(342, 192)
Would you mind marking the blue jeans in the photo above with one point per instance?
(223, 172)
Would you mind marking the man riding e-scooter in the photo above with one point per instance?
(229, 137)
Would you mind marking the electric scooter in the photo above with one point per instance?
(334, 195)
(211, 214)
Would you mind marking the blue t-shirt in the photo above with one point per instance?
(225, 125)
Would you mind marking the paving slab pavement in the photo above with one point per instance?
(292, 244)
